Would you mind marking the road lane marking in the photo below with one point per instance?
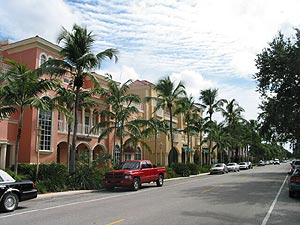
(65, 205)
(115, 222)
(207, 190)
(95, 200)
(273, 204)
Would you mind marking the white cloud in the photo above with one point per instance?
(193, 81)
(23, 19)
(203, 43)
(246, 97)
(121, 73)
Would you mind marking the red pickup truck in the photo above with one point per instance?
(133, 173)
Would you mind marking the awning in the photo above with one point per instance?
(205, 150)
(188, 149)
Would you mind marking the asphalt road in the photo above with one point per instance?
(258, 196)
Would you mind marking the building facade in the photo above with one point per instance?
(44, 134)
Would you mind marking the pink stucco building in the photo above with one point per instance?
(52, 141)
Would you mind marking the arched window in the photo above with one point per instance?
(117, 155)
(43, 58)
(45, 126)
(138, 154)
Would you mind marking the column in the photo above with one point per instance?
(91, 118)
(3, 156)
(82, 120)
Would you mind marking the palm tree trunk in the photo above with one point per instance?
(200, 157)
(18, 140)
(121, 142)
(171, 128)
(210, 152)
(73, 148)
(68, 145)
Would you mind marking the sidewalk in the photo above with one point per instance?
(64, 193)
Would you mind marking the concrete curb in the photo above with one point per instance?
(64, 193)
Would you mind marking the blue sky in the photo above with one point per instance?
(204, 43)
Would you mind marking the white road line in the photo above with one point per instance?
(69, 204)
(92, 200)
(273, 204)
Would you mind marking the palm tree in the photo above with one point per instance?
(218, 134)
(232, 113)
(77, 61)
(64, 103)
(22, 89)
(209, 99)
(168, 95)
(136, 134)
(201, 126)
(233, 120)
(5, 110)
(154, 125)
(122, 107)
(190, 109)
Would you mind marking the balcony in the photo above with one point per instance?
(63, 128)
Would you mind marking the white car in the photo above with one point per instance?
(276, 161)
(243, 165)
(219, 168)
(233, 167)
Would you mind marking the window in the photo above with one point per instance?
(127, 156)
(45, 124)
(60, 121)
(117, 155)
(138, 154)
(87, 124)
(43, 58)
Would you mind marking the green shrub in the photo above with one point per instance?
(193, 168)
(51, 177)
(204, 168)
(27, 170)
(181, 169)
(171, 173)
(88, 176)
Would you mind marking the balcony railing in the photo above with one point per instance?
(63, 128)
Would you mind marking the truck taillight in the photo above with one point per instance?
(295, 179)
(33, 185)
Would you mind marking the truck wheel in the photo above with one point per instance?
(9, 202)
(160, 181)
(136, 184)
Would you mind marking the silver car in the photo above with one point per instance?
(243, 166)
(219, 168)
(233, 167)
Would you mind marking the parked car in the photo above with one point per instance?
(243, 166)
(261, 163)
(295, 164)
(250, 165)
(276, 162)
(233, 167)
(133, 173)
(294, 183)
(219, 168)
(12, 192)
